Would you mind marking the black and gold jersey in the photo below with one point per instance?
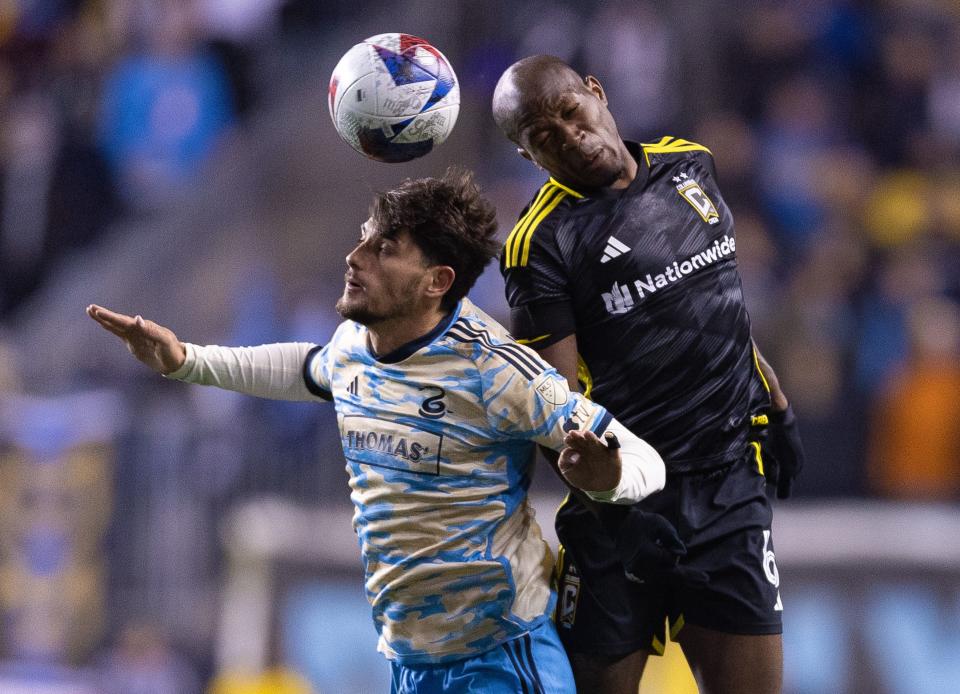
(646, 277)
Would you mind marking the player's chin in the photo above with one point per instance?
(355, 309)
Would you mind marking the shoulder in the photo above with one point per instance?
(346, 339)
(670, 150)
(480, 338)
(537, 224)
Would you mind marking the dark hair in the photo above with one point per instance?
(448, 219)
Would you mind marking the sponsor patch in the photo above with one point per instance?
(386, 444)
(549, 389)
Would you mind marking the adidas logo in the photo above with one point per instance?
(613, 250)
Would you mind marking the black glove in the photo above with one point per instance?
(784, 445)
(650, 548)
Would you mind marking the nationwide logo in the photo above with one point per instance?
(622, 297)
(613, 250)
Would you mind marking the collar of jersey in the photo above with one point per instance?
(640, 180)
(405, 350)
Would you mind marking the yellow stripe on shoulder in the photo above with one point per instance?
(670, 145)
(531, 340)
(569, 190)
(521, 225)
(517, 248)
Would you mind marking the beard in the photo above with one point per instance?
(358, 312)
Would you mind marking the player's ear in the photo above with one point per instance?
(441, 279)
(593, 84)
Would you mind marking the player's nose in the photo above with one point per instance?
(353, 256)
(569, 136)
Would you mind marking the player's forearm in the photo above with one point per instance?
(778, 398)
(267, 371)
(642, 471)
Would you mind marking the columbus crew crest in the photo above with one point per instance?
(569, 596)
(691, 191)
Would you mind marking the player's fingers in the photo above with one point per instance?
(574, 439)
(583, 441)
(568, 460)
(111, 326)
(110, 319)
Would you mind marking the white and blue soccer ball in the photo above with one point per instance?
(394, 97)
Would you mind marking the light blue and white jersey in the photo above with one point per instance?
(439, 440)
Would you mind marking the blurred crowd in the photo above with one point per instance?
(835, 126)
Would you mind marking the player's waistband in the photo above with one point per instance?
(706, 465)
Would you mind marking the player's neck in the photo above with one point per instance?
(629, 171)
(393, 333)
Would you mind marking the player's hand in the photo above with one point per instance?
(784, 446)
(649, 547)
(588, 463)
(154, 345)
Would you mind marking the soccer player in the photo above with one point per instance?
(439, 413)
(622, 273)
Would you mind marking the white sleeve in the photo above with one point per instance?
(269, 371)
(642, 471)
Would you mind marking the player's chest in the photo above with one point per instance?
(423, 421)
(641, 247)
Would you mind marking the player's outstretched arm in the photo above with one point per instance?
(275, 371)
(153, 344)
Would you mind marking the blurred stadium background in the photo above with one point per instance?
(175, 158)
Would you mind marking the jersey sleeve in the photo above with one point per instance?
(317, 371)
(705, 159)
(527, 399)
(537, 287)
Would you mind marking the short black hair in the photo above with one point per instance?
(449, 220)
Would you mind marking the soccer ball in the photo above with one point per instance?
(394, 97)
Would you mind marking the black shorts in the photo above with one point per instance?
(723, 517)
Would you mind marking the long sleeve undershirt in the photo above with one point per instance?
(267, 371)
